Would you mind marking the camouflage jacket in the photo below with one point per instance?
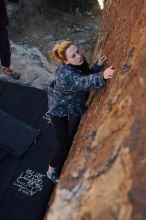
(69, 91)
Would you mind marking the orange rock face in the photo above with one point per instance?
(105, 175)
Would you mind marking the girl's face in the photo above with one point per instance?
(73, 55)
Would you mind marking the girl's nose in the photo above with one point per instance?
(79, 55)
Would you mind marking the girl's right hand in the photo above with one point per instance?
(101, 60)
(108, 73)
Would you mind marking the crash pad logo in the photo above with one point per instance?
(29, 182)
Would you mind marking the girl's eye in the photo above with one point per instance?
(73, 56)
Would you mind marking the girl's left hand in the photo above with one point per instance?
(101, 60)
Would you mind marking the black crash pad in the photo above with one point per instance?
(24, 187)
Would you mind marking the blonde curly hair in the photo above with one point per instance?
(58, 51)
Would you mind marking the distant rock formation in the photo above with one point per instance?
(105, 175)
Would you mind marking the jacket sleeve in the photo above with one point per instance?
(95, 68)
(76, 82)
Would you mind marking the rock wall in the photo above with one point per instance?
(105, 174)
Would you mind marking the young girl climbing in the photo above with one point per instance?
(67, 97)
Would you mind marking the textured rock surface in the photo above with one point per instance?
(105, 175)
